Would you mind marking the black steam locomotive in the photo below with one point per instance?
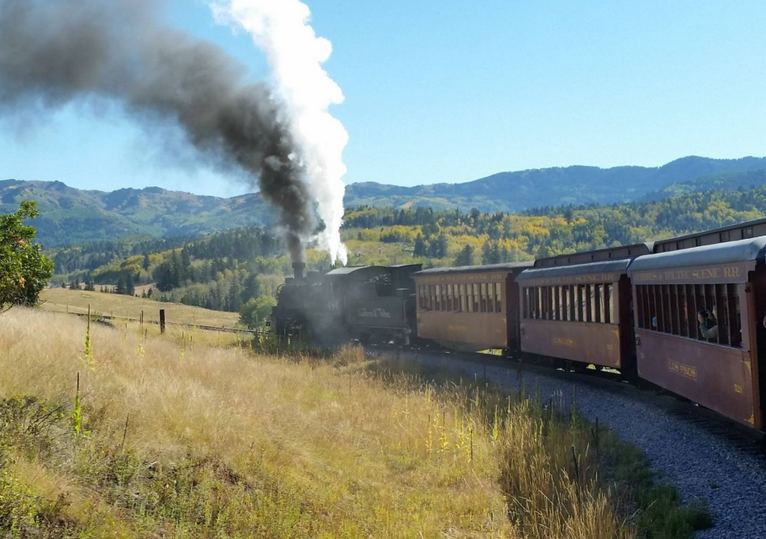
(365, 303)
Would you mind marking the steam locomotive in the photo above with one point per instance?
(365, 303)
(687, 314)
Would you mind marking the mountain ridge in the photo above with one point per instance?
(70, 215)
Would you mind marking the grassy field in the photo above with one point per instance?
(169, 439)
(77, 301)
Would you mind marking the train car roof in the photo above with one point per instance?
(347, 270)
(596, 255)
(610, 266)
(362, 270)
(745, 224)
(706, 255)
(475, 269)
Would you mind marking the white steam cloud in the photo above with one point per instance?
(295, 53)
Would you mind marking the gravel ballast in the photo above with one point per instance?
(700, 462)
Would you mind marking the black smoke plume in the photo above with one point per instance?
(56, 51)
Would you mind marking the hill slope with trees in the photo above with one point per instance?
(228, 269)
(72, 216)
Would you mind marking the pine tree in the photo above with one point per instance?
(465, 256)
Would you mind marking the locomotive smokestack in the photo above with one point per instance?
(298, 269)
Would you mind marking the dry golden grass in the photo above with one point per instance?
(203, 441)
(77, 301)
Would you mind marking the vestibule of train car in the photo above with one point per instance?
(471, 307)
(697, 313)
(579, 312)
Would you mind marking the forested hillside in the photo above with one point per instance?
(72, 216)
(228, 269)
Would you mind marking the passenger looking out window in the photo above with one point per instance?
(708, 324)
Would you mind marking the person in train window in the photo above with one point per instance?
(654, 322)
(708, 324)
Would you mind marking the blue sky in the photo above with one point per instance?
(456, 90)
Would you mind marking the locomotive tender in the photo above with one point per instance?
(366, 303)
(687, 314)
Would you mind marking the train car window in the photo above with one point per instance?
(456, 297)
(563, 307)
(588, 304)
(483, 297)
(652, 307)
(555, 303)
(574, 316)
(647, 307)
(476, 298)
(600, 308)
(577, 303)
(646, 317)
(683, 311)
(551, 302)
(607, 303)
(548, 303)
(701, 306)
(440, 293)
(674, 311)
(640, 307)
(668, 313)
(525, 302)
(531, 305)
(498, 297)
(692, 304)
(658, 303)
(562, 303)
(722, 314)
(735, 329)
(572, 303)
(538, 303)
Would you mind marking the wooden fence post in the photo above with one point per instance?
(162, 320)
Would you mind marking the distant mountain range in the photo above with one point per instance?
(73, 216)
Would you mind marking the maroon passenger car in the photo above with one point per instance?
(579, 312)
(699, 323)
(471, 307)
